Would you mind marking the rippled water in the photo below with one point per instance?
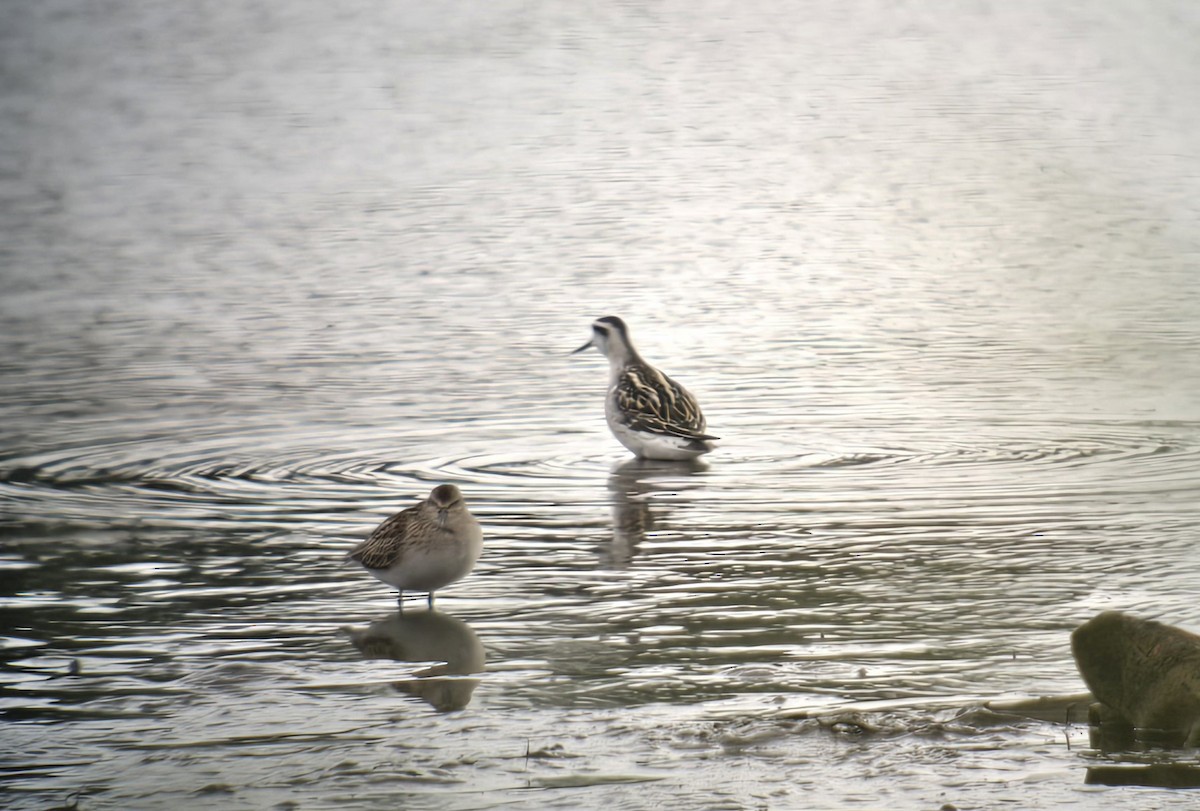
(271, 273)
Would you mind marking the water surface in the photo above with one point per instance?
(270, 274)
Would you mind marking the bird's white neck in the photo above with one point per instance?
(621, 357)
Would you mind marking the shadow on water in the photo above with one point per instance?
(450, 645)
(1152, 775)
(634, 485)
(1123, 755)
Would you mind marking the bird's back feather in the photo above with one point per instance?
(384, 547)
(648, 400)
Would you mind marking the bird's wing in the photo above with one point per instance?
(382, 547)
(648, 400)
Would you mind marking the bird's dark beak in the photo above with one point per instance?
(442, 515)
(588, 345)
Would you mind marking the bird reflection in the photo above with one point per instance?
(632, 484)
(427, 636)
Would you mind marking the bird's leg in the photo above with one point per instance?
(400, 601)
(430, 602)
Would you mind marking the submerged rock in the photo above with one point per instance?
(1144, 674)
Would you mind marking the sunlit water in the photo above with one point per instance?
(272, 272)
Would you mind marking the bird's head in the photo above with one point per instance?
(610, 336)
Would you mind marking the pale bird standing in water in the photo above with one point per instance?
(424, 547)
(648, 412)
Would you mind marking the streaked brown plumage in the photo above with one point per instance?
(425, 547)
(648, 400)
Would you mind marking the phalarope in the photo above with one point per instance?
(648, 412)
(424, 547)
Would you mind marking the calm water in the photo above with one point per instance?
(270, 273)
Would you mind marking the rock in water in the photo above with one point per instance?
(1144, 673)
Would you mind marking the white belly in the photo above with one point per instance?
(434, 567)
(658, 446)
